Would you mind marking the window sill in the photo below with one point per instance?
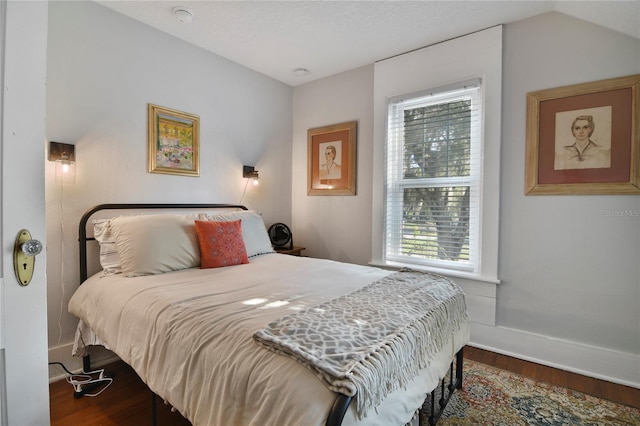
(445, 272)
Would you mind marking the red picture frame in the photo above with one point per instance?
(584, 139)
(331, 164)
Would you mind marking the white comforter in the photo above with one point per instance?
(188, 335)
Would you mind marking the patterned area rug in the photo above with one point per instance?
(500, 398)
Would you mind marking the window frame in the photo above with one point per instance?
(396, 183)
(433, 66)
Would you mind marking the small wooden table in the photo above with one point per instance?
(295, 251)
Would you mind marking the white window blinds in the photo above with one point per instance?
(434, 142)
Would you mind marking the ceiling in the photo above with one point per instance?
(329, 37)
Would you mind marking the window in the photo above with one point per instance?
(446, 67)
(434, 145)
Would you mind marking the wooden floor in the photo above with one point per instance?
(602, 389)
(128, 401)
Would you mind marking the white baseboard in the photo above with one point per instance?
(601, 363)
(99, 358)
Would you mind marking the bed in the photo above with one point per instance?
(211, 334)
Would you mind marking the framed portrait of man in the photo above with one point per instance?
(331, 164)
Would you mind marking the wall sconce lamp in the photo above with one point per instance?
(249, 172)
(65, 154)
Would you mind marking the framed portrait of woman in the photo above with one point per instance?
(584, 138)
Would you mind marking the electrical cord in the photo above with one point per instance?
(244, 191)
(63, 367)
(62, 252)
(85, 383)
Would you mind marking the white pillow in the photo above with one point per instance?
(155, 244)
(254, 232)
(109, 259)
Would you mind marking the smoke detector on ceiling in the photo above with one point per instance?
(300, 72)
(183, 14)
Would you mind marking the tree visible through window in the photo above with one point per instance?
(432, 179)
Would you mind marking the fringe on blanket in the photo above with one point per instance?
(400, 360)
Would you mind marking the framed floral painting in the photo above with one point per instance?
(174, 141)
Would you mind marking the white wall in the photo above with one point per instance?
(568, 269)
(570, 291)
(103, 69)
(334, 227)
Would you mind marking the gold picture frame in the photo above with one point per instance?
(584, 139)
(331, 159)
(173, 141)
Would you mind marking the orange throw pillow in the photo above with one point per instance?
(221, 243)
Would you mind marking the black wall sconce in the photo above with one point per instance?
(62, 152)
(65, 154)
(249, 172)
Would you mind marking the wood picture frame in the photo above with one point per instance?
(584, 138)
(173, 141)
(331, 164)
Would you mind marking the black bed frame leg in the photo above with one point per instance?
(86, 363)
(459, 362)
(445, 391)
(154, 409)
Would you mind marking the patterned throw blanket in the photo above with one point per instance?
(374, 340)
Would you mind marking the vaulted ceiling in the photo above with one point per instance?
(328, 37)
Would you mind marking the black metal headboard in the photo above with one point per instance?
(82, 232)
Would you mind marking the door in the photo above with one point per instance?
(23, 333)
